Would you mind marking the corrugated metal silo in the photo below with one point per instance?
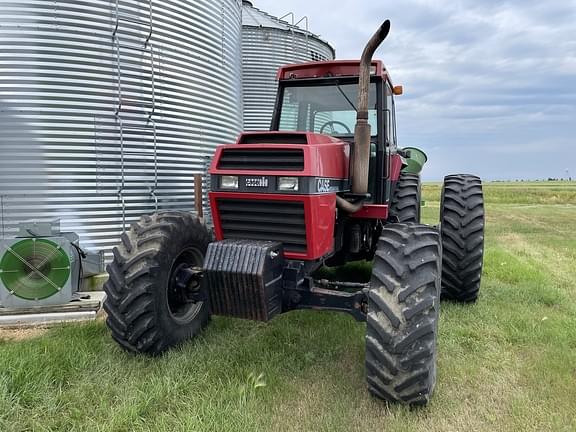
(268, 43)
(109, 107)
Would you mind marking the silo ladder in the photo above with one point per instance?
(140, 103)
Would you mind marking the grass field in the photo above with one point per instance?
(507, 363)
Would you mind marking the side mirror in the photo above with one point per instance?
(398, 90)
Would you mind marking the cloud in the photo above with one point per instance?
(490, 86)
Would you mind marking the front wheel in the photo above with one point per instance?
(152, 301)
(403, 308)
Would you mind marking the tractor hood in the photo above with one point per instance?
(301, 154)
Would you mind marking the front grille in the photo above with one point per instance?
(262, 159)
(281, 221)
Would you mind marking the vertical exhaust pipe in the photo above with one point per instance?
(362, 132)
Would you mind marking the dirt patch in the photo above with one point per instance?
(18, 334)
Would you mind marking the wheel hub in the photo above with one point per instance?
(188, 281)
(185, 294)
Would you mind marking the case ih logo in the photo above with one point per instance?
(257, 182)
(325, 185)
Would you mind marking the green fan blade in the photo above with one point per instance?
(35, 269)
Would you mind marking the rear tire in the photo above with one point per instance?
(462, 227)
(405, 205)
(403, 308)
(147, 313)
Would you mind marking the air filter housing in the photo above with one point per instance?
(38, 271)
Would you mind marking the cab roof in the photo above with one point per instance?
(327, 69)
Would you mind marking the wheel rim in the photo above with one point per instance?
(180, 308)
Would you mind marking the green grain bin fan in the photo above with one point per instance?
(39, 267)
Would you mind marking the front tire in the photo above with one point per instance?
(403, 308)
(148, 312)
(462, 226)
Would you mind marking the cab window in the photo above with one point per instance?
(325, 109)
(390, 118)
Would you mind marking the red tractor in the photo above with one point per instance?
(327, 185)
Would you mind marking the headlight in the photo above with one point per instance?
(229, 182)
(288, 183)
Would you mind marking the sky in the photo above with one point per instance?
(489, 86)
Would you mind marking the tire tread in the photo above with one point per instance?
(405, 202)
(401, 336)
(462, 224)
(132, 312)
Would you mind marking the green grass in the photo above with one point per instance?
(507, 363)
(520, 192)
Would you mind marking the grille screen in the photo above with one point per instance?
(281, 221)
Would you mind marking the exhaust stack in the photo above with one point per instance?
(362, 133)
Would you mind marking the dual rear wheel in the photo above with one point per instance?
(414, 266)
(461, 227)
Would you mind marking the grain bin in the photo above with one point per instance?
(109, 107)
(268, 43)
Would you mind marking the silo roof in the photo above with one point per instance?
(254, 17)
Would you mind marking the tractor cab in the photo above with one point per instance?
(330, 156)
(321, 98)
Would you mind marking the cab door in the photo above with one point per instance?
(391, 144)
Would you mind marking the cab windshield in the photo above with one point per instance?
(327, 109)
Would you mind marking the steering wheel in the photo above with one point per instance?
(332, 123)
